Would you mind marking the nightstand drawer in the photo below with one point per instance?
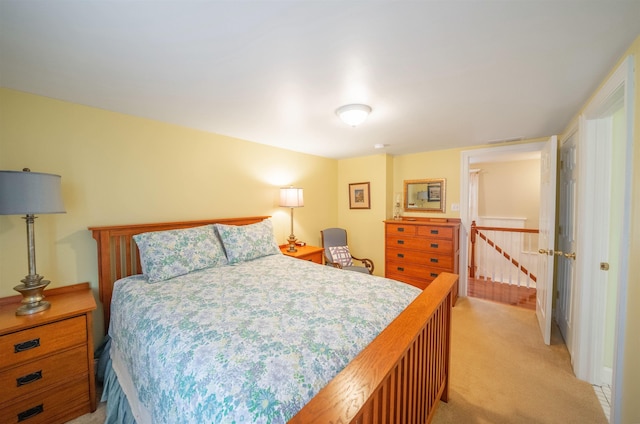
(54, 406)
(39, 341)
(32, 376)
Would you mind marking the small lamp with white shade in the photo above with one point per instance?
(291, 197)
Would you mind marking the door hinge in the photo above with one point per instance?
(604, 266)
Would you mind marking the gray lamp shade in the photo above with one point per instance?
(291, 197)
(25, 192)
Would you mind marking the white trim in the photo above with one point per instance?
(590, 322)
(607, 376)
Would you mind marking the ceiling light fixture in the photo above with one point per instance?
(354, 114)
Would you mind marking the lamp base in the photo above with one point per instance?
(32, 298)
(292, 244)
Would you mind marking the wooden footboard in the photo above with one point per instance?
(401, 376)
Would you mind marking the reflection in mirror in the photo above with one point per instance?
(424, 195)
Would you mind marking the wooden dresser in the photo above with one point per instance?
(46, 359)
(417, 250)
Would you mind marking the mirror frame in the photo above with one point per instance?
(431, 184)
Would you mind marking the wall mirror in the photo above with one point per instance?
(424, 195)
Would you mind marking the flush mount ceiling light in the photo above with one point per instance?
(354, 114)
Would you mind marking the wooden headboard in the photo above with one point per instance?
(118, 255)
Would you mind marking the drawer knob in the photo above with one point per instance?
(29, 344)
(401, 255)
(25, 415)
(434, 260)
(434, 231)
(29, 378)
(400, 268)
(400, 229)
(434, 245)
(434, 275)
(400, 241)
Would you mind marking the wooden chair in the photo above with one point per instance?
(337, 254)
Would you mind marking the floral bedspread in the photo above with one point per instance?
(251, 342)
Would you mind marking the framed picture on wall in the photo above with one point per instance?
(359, 196)
(433, 191)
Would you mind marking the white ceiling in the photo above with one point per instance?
(438, 74)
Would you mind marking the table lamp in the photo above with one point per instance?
(29, 193)
(291, 197)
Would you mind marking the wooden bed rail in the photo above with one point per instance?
(403, 373)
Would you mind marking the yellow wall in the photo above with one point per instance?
(120, 169)
(437, 164)
(364, 226)
(510, 189)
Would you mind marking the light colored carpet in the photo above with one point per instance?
(501, 372)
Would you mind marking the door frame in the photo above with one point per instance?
(467, 158)
(588, 355)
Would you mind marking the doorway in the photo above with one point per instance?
(604, 206)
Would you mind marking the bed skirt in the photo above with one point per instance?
(118, 409)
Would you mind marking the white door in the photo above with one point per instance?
(567, 239)
(546, 239)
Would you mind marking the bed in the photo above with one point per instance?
(399, 376)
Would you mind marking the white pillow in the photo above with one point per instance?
(341, 255)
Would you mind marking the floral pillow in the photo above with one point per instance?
(167, 254)
(341, 255)
(247, 242)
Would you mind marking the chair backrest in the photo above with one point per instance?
(333, 237)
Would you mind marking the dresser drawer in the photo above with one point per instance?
(412, 270)
(407, 230)
(420, 283)
(39, 341)
(54, 406)
(419, 257)
(414, 243)
(435, 231)
(32, 376)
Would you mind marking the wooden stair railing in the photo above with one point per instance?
(476, 232)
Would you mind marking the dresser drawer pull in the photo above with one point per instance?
(29, 344)
(401, 255)
(400, 241)
(400, 229)
(29, 378)
(25, 415)
(434, 245)
(434, 260)
(434, 275)
(435, 231)
(400, 268)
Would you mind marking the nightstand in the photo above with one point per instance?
(46, 359)
(308, 253)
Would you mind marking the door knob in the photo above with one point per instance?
(570, 255)
(546, 252)
(560, 253)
